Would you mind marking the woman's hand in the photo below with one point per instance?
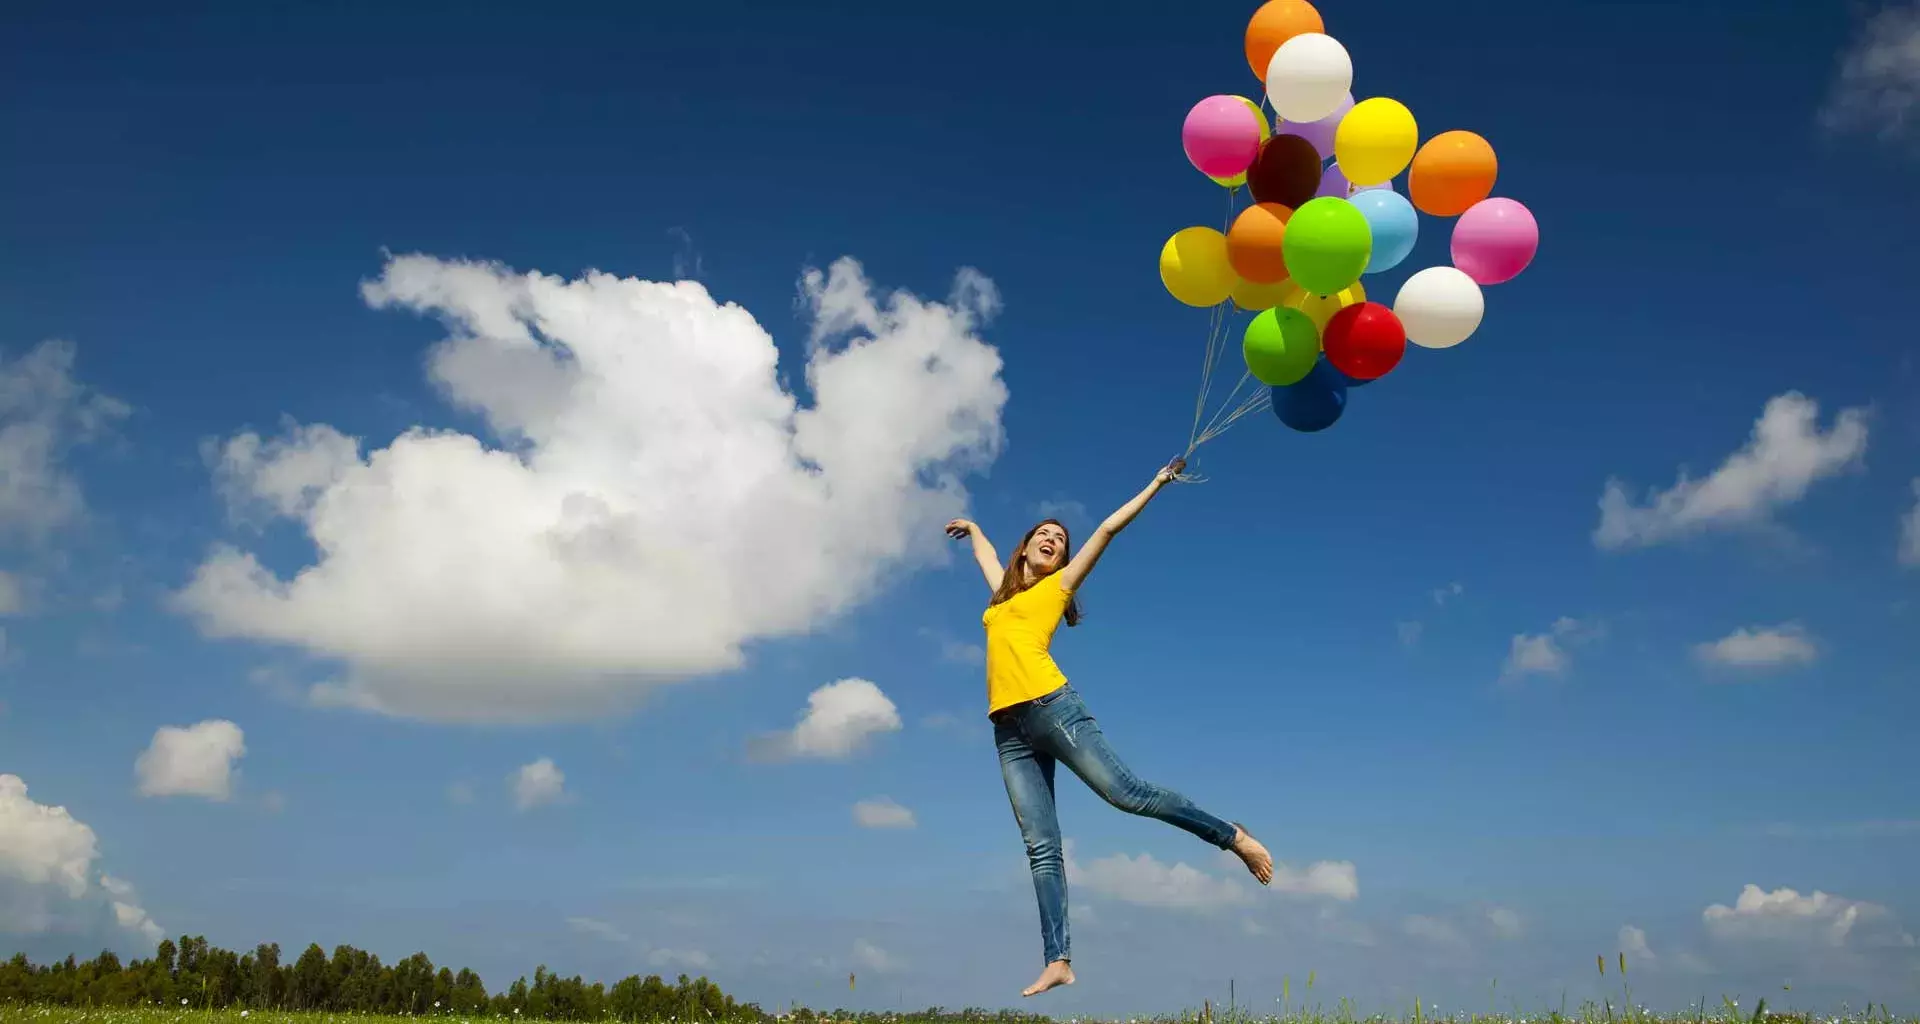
(1171, 471)
(960, 528)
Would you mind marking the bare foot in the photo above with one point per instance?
(1254, 855)
(1057, 973)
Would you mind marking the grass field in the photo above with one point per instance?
(1591, 1014)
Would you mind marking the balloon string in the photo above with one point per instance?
(1215, 343)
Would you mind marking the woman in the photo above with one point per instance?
(1039, 720)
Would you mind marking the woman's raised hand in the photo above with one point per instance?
(960, 528)
(1171, 471)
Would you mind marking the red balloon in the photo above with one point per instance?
(1287, 172)
(1364, 341)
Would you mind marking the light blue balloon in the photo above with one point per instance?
(1394, 223)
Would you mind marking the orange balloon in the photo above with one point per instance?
(1255, 240)
(1449, 174)
(1273, 24)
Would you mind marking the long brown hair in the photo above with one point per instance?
(1014, 580)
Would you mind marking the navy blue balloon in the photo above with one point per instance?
(1313, 403)
(1352, 382)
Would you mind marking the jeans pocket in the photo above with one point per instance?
(1047, 699)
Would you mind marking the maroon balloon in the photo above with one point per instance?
(1287, 172)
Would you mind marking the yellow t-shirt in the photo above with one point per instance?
(1019, 631)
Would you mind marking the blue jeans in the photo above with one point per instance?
(1056, 727)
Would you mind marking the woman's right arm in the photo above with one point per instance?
(983, 552)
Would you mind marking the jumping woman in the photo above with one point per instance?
(1039, 720)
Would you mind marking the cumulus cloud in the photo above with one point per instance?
(1545, 654)
(868, 956)
(1432, 930)
(194, 760)
(537, 784)
(1877, 89)
(1442, 595)
(1633, 945)
(599, 930)
(882, 813)
(46, 868)
(1505, 923)
(1910, 531)
(1786, 454)
(1146, 881)
(655, 501)
(1759, 647)
(1818, 919)
(44, 412)
(841, 718)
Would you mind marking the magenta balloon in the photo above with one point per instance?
(1334, 183)
(1319, 133)
(1495, 240)
(1221, 136)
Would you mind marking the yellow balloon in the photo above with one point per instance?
(1375, 141)
(1254, 296)
(1194, 267)
(1266, 132)
(1320, 308)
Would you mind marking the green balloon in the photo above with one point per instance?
(1281, 346)
(1327, 245)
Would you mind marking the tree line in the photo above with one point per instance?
(192, 973)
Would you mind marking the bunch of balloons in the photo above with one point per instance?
(1323, 214)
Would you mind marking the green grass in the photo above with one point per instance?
(1603, 1012)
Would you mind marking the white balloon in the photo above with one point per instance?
(1308, 77)
(1440, 307)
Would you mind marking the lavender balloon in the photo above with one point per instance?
(1319, 133)
(1333, 182)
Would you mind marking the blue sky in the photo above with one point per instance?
(525, 708)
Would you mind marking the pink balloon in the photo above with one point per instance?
(1495, 240)
(1221, 136)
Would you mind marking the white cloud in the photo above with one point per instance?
(1532, 654)
(1818, 919)
(1759, 647)
(1878, 85)
(687, 959)
(194, 760)
(1147, 882)
(284, 475)
(1442, 595)
(13, 594)
(1505, 923)
(660, 500)
(1432, 930)
(43, 845)
(882, 813)
(840, 719)
(44, 411)
(49, 852)
(868, 956)
(599, 930)
(1786, 454)
(537, 784)
(1409, 632)
(1633, 943)
(1910, 531)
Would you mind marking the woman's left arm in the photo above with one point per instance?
(1076, 571)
